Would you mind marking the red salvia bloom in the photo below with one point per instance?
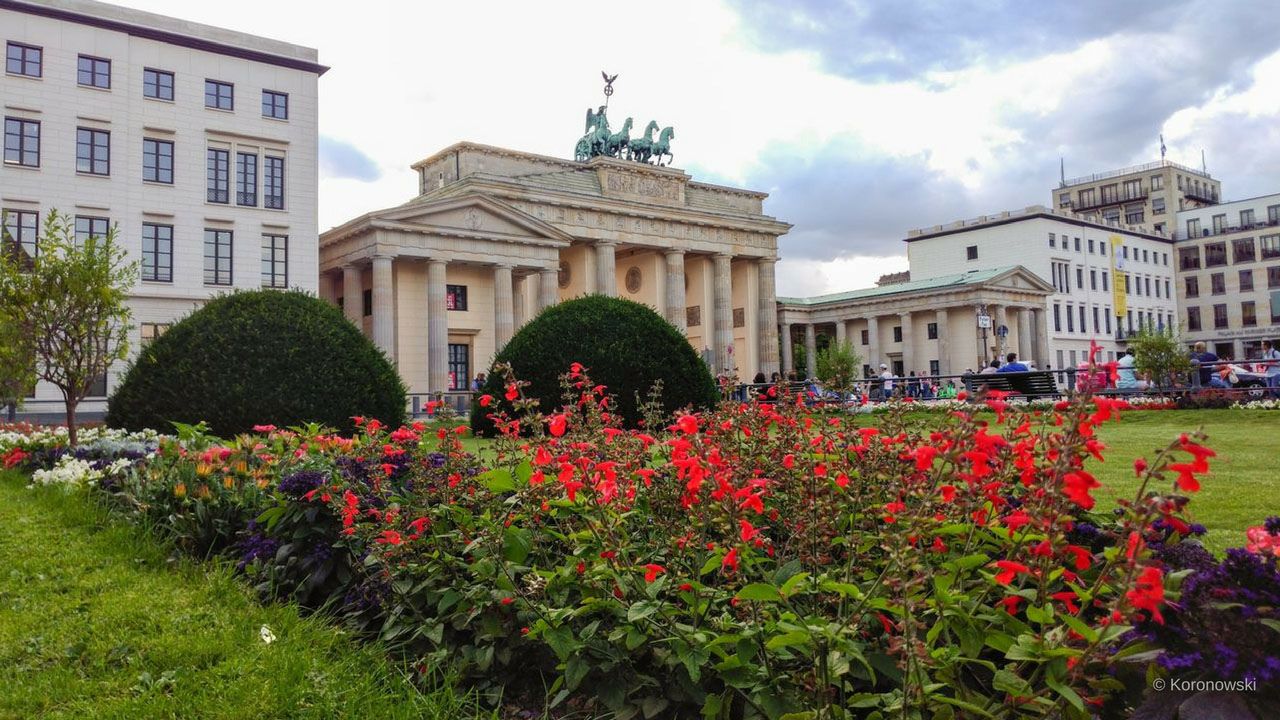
(730, 560)
(652, 571)
(1148, 592)
(1077, 485)
(1008, 569)
(556, 423)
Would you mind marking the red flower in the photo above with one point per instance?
(924, 457)
(1148, 592)
(788, 461)
(730, 560)
(1076, 486)
(1008, 569)
(948, 493)
(507, 600)
(1139, 466)
(513, 392)
(419, 524)
(264, 428)
(557, 424)
(652, 571)
(746, 531)
(687, 424)
(1082, 557)
(842, 481)
(1186, 480)
(389, 537)
(485, 400)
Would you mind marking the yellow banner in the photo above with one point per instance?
(1119, 301)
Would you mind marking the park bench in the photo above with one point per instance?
(1034, 384)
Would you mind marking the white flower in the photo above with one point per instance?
(267, 636)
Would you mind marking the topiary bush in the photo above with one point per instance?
(626, 346)
(261, 357)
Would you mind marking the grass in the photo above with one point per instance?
(96, 621)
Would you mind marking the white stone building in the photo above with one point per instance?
(198, 144)
(1108, 280)
(1228, 263)
(441, 282)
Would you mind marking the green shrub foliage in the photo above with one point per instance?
(626, 346)
(255, 358)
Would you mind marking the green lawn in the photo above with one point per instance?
(96, 622)
(1240, 489)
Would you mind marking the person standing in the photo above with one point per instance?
(1012, 365)
(1271, 359)
(887, 378)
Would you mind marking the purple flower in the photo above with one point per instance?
(302, 482)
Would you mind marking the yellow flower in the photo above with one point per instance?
(203, 469)
(203, 493)
(242, 467)
(180, 490)
(228, 482)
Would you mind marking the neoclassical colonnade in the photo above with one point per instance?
(918, 324)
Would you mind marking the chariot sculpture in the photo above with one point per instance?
(599, 140)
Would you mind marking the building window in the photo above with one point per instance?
(366, 303)
(1193, 228)
(865, 337)
(739, 314)
(931, 331)
(157, 252)
(1159, 228)
(971, 252)
(218, 172)
(273, 182)
(90, 227)
(1193, 318)
(1064, 200)
(1071, 319)
(157, 161)
(897, 333)
(1083, 328)
(1147, 283)
(1127, 287)
(1106, 318)
(1246, 219)
(693, 316)
(93, 72)
(93, 151)
(1219, 316)
(1057, 317)
(157, 84)
(275, 105)
(151, 331)
(1218, 284)
(20, 233)
(1111, 216)
(1102, 248)
(1053, 242)
(1246, 280)
(1110, 193)
(1273, 277)
(217, 257)
(1270, 246)
(1193, 286)
(1273, 214)
(247, 179)
(275, 261)
(1080, 278)
(21, 142)
(1157, 182)
(98, 388)
(1132, 189)
(1093, 279)
(1189, 258)
(1097, 326)
(1145, 256)
(1077, 244)
(455, 297)
(1242, 250)
(1215, 254)
(459, 366)
(1133, 214)
(219, 95)
(1248, 313)
(1086, 198)
(1104, 281)
(25, 60)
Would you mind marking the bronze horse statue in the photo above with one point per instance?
(641, 149)
(618, 141)
(663, 145)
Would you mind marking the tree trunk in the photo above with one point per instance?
(71, 420)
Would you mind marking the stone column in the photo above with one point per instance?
(767, 318)
(723, 318)
(1042, 337)
(999, 317)
(788, 362)
(548, 289)
(810, 350)
(675, 301)
(908, 344)
(873, 344)
(944, 343)
(1025, 345)
(325, 289)
(606, 268)
(519, 312)
(504, 321)
(384, 326)
(841, 332)
(352, 294)
(437, 327)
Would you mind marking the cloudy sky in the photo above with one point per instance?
(861, 119)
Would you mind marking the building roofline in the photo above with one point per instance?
(1132, 170)
(1032, 212)
(171, 37)
(1223, 204)
(924, 286)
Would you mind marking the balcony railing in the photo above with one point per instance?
(1134, 169)
(1118, 199)
(1202, 194)
(1225, 230)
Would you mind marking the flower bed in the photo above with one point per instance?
(750, 562)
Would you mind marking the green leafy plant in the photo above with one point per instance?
(249, 358)
(67, 298)
(1159, 354)
(839, 367)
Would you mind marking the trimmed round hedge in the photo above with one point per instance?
(624, 345)
(262, 357)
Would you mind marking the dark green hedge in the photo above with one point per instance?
(624, 345)
(259, 357)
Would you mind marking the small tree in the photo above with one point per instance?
(1160, 355)
(838, 367)
(68, 297)
(17, 363)
(800, 361)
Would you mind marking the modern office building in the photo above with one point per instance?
(1228, 262)
(1140, 195)
(441, 282)
(1109, 281)
(198, 144)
